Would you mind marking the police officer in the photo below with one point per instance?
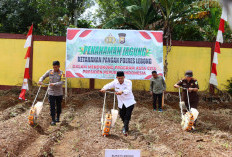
(192, 86)
(55, 91)
(126, 101)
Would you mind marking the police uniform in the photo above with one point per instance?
(55, 93)
(193, 96)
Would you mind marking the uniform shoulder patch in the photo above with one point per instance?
(51, 71)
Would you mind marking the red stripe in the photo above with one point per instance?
(79, 75)
(158, 36)
(26, 73)
(217, 47)
(22, 94)
(222, 26)
(160, 74)
(30, 30)
(145, 35)
(28, 53)
(69, 74)
(148, 77)
(85, 33)
(214, 69)
(72, 33)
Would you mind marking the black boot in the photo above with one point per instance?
(126, 125)
(125, 128)
(58, 119)
(124, 131)
(53, 121)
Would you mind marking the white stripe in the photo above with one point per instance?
(27, 62)
(24, 80)
(224, 14)
(213, 79)
(72, 72)
(25, 84)
(28, 41)
(219, 36)
(215, 58)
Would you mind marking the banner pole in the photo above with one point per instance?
(66, 91)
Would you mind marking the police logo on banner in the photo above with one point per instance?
(122, 37)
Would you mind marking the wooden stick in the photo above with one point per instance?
(163, 100)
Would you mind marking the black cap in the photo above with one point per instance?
(189, 73)
(120, 73)
(56, 63)
(154, 72)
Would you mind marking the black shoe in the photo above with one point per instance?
(124, 131)
(53, 123)
(57, 120)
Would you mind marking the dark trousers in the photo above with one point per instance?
(159, 97)
(55, 106)
(125, 114)
(193, 104)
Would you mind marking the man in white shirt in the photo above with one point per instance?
(126, 101)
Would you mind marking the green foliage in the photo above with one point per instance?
(109, 9)
(50, 17)
(187, 32)
(229, 86)
(174, 17)
(134, 14)
(171, 16)
(17, 15)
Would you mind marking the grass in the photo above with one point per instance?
(226, 145)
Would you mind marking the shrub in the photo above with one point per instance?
(229, 86)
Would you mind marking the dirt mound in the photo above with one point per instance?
(79, 134)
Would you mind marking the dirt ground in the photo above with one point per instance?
(79, 134)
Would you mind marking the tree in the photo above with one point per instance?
(57, 15)
(109, 9)
(154, 14)
(17, 15)
(173, 13)
(137, 14)
(50, 17)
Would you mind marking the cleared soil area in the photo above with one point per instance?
(79, 134)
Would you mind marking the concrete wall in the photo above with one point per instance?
(184, 56)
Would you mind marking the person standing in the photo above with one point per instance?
(157, 87)
(55, 91)
(126, 101)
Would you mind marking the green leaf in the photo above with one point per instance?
(114, 22)
(133, 8)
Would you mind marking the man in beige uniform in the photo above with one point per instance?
(55, 91)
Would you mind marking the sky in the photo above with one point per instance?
(91, 11)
